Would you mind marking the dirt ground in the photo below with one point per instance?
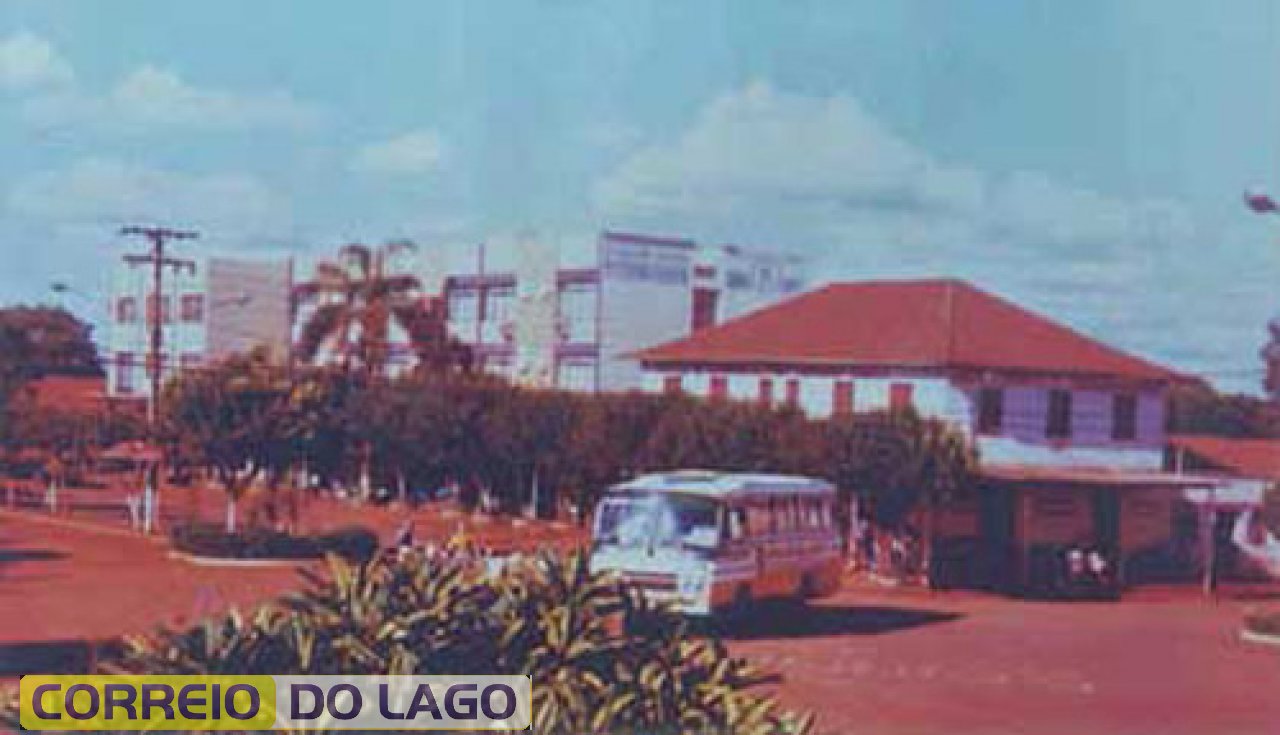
(870, 660)
(1163, 660)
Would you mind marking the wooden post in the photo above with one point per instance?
(1211, 542)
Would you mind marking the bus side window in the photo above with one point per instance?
(789, 514)
(759, 519)
(737, 526)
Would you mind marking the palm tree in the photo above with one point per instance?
(358, 298)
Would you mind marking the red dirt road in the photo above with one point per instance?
(1161, 661)
(65, 579)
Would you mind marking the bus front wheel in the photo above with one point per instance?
(807, 589)
(740, 605)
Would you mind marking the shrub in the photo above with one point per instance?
(200, 539)
(602, 661)
(1263, 623)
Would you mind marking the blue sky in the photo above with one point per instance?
(1084, 158)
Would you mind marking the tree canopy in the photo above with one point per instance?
(1199, 409)
(36, 341)
(358, 298)
(527, 447)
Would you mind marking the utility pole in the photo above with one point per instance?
(158, 260)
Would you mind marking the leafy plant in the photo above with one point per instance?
(601, 659)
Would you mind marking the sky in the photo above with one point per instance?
(1085, 159)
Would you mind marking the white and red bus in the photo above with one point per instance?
(713, 541)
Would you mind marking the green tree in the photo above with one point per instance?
(606, 444)
(894, 462)
(1199, 409)
(240, 418)
(39, 340)
(1271, 360)
(357, 301)
(76, 436)
(56, 342)
(15, 361)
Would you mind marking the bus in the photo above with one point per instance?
(711, 542)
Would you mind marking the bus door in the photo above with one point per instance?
(780, 549)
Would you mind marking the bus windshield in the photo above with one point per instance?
(657, 519)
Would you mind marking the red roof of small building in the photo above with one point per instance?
(916, 324)
(1251, 458)
(67, 392)
(134, 451)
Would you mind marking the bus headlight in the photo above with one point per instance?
(693, 584)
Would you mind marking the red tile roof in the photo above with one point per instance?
(1252, 458)
(67, 392)
(917, 324)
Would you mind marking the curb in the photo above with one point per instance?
(1262, 639)
(213, 561)
(87, 526)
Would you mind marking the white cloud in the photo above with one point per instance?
(108, 192)
(152, 98)
(824, 176)
(413, 153)
(29, 62)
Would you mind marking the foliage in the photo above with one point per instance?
(75, 436)
(239, 418)
(893, 461)
(1263, 623)
(39, 340)
(358, 299)
(1198, 409)
(1270, 355)
(423, 431)
(52, 341)
(602, 660)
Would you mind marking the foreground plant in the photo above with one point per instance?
(601, 659)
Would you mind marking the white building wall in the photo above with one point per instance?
(247, 306)
(744, 387)
(244, 303)
(129, 343)
(645, 299)
(1022, 438)
(749, 279)
(816, 395)
(642, 296)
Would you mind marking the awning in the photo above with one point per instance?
(1094, 476)
(1253, 458)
